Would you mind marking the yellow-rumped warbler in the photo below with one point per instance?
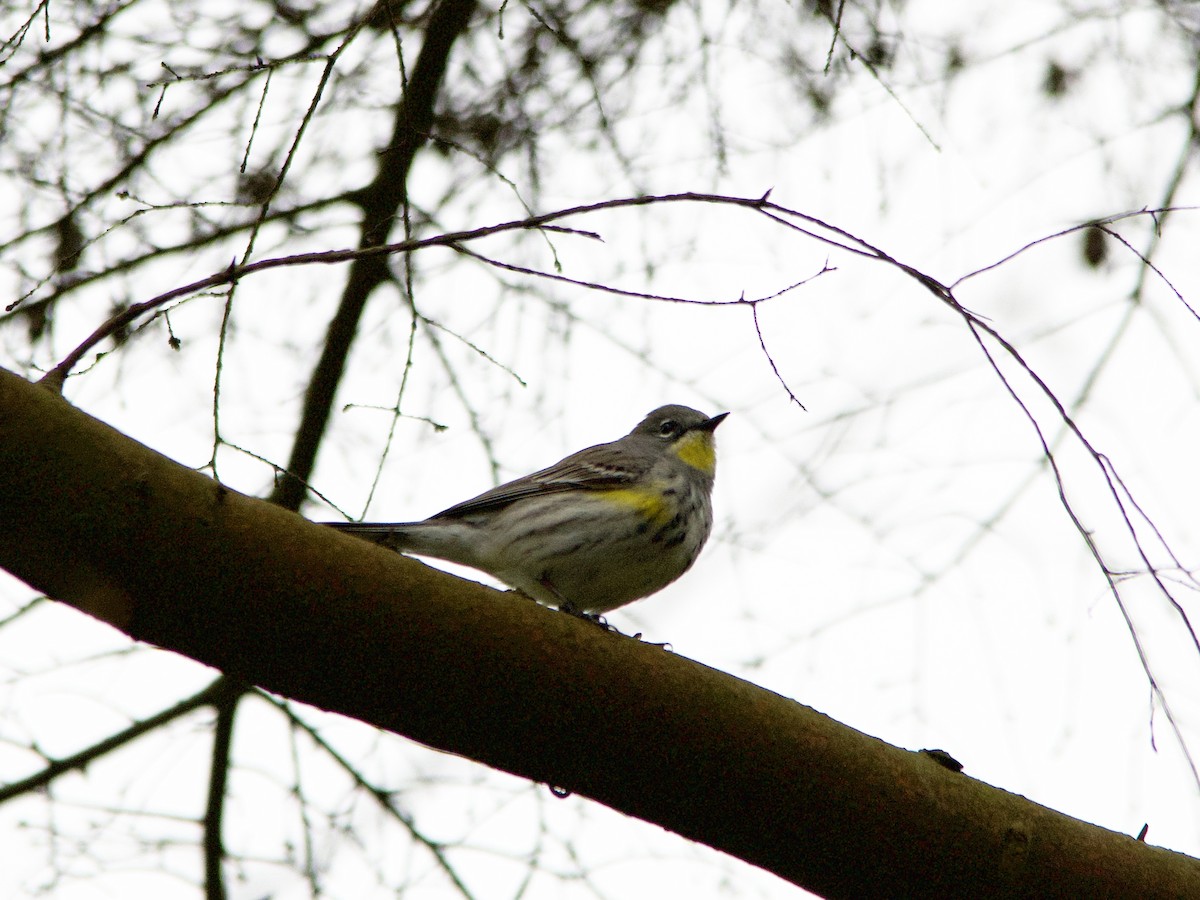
(604, 527)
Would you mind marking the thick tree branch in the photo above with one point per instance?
(102, 522)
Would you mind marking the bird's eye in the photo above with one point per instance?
(670, 428)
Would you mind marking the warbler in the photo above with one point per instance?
(606, 526)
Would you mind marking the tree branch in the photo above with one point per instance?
(380, 202)
(172, 558)
(88, 755)
(226, 704)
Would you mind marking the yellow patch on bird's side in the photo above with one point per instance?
(696, 449)
(650, 503)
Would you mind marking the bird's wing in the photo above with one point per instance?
(596, 468)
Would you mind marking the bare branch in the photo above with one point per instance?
(90, 754)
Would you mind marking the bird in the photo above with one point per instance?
(603, 527)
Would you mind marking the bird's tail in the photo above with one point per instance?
(389, 534)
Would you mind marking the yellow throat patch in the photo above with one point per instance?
(649, 502)
(696, 448)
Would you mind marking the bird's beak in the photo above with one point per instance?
(710, 424)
